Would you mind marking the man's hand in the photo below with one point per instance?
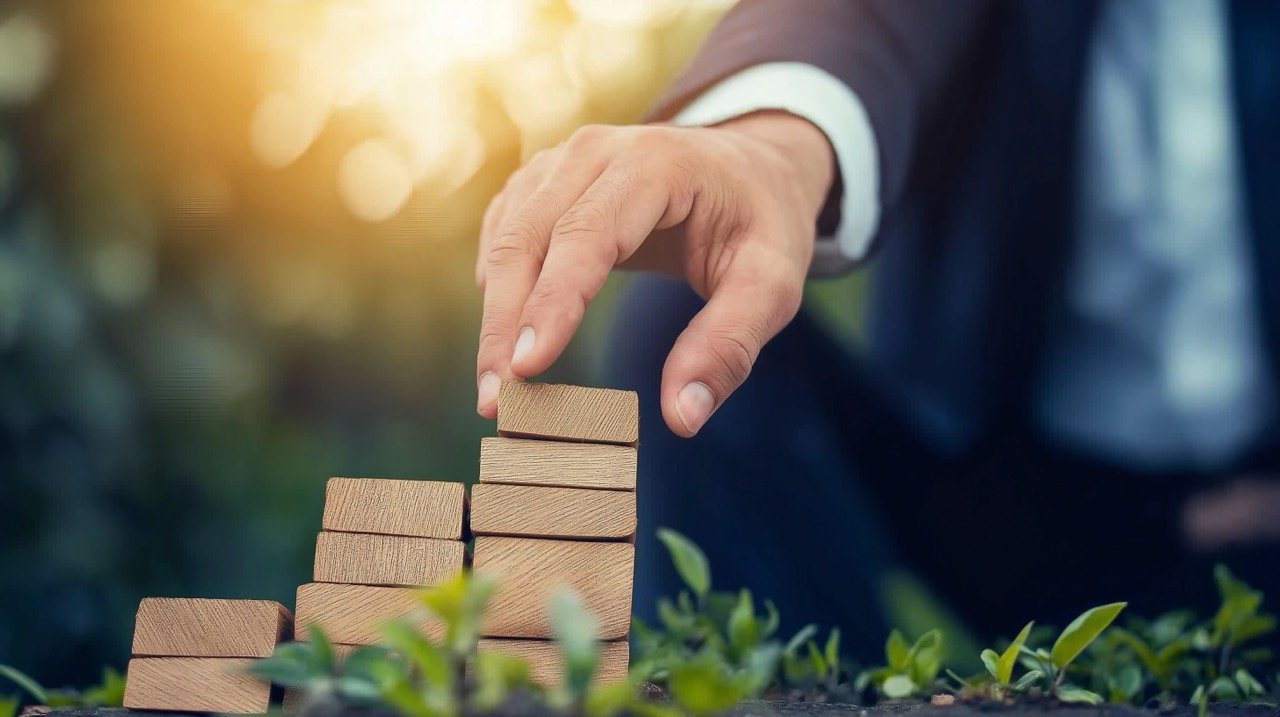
(730, 208)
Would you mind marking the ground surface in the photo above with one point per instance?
(764, 709)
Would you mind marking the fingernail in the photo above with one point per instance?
(695, 403)
(524, 344)
(487, 391)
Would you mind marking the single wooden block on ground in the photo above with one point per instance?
(201, 627)
(529, 571)
(521, 461)
(546, 665)
(535, 511)
(195, 684)
(421, 508)
(568, 413)
(367, 559)
(354, 614)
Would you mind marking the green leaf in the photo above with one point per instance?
(9, 705)
(897, 687)
(358, 689)
(771, 620)
(991, 660)
(610, 700)
(1068, 693)
(322, 649)
(575, 632)
(689, 560)
(290, 666)
(896, 650)
(924, 660)
(761, 667)
(1124, 682)
(801, 637)
(1082, 631)
(430, 659)
(1009, 657)
(496, 675)
(1027, 680)
(1224, 687)
(832, 651)
(26, 683)
(744, 632)
(1249, 685)
(107, 693)
(704, 685)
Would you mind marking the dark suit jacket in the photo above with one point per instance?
(974, 104)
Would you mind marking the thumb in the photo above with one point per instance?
(715, 352)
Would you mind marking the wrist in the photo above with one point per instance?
(804, 146)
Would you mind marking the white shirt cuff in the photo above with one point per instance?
(809, 92)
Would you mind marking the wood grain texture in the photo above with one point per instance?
(367, 559)
(354, 614)
(195, 684)
(568, 413)
(421, 508)
(519, 461)
(540, 512)
(546, 666)
(529, 571)
(203, 627)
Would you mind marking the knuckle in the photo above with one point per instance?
(491, 341)
(583, 222)
(733, 353)
(587, 136)
(511, 246)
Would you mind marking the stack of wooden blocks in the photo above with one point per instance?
(556, 508)
(380, 539)
(191, 654)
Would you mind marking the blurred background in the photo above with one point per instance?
(236, 257)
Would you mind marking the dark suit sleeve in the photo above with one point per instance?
(894, 55)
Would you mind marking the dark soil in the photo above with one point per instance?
(779, 707)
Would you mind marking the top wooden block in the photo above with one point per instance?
(418, 508)
(568, 413)
(200, 627)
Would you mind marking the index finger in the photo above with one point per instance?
(512, 263)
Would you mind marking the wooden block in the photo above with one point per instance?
(422, 508)
(368, 559)
(195, 684)
(354, 614)
(546, 666)
(529, 571)
(200, 627)
(554, 463)
(568, 413)
(539, 512)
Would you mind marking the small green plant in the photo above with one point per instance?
(109, 692)
(910, 670)
(712, 649)
(1051, 666)
(1000, 666)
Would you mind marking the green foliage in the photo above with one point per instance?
(689, 560)
(1000, 665)
(712, 649)
(1081, 633)
(9, 705)
(575, 631)
(109, 692)
(910, 670)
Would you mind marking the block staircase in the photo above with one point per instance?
(554, 507)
